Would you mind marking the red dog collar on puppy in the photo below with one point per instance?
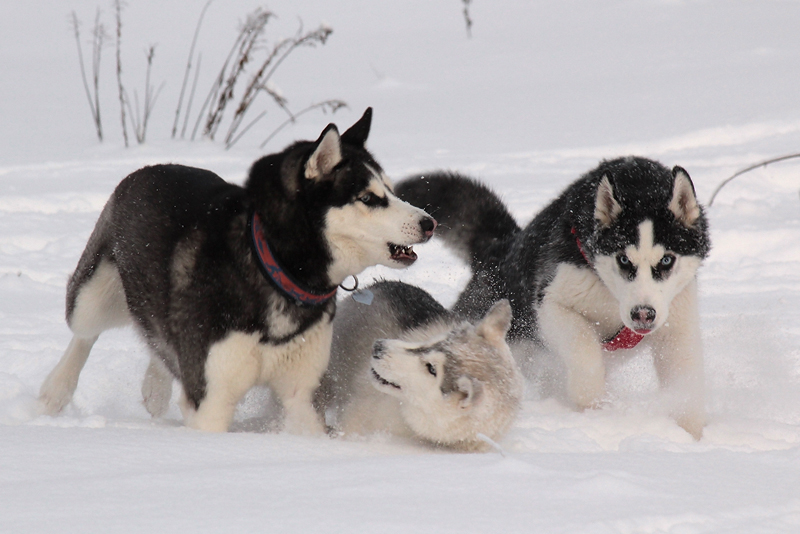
(625, 338)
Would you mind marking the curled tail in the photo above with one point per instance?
(473, 221)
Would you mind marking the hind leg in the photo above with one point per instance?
(156, 387)
(97, 305)
(60, 384)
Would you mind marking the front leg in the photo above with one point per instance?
(572, 337)
(296, 376)
(233, 367)
(678, 356)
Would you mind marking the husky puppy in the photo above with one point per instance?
(437, 378)
(611, 262)
(234, 286)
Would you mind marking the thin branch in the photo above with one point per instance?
(98, 37)
(467, 17)
(191, 96)
(186, 74)
(260, 81)
(748, 169)
(250, 34)
(121, 90)
(94, 103)
(217, 85)
(244, 130)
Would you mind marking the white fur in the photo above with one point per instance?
(484, 400)
(240, 361)
(684, 202)
(606, 208)
(359, 235)
(644, 290)
(100, 305)
(581, 308)
(327, 155)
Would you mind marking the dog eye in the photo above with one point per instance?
(369, 199)
(431, 368)
(624, 261)
(667, 261)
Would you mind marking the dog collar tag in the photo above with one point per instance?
(363, 296)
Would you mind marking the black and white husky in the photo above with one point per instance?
(404, 365)
(610, 262)
(234, 286)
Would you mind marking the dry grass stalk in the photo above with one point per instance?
(92, 94)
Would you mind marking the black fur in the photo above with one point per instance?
(164, 212)
(519, 264)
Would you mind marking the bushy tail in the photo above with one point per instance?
(473, 221)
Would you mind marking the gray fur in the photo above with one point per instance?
(479, 390)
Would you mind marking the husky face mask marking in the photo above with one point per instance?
(645, 278)
(376, 227)
(646, 274)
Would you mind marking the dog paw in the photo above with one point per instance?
(54, 395)
(156, 391)
(692, 423)
(304, 426)
(588, 393)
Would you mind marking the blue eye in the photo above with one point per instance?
(667, 261)
(431, 368)
(367, 198)
(624, 261)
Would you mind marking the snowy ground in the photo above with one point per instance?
(539, 94)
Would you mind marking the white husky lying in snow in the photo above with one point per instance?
(437, 378)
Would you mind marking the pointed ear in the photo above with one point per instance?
(357, 134)
(471, 390)
(495, 324)
(326, 155)
(606, 207)
(684, 202)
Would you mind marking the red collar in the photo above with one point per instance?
(625, 338)
(270, 267)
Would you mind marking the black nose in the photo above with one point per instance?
(378, 349)
(643, 315)
(428, 225)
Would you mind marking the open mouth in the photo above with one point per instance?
(402, 254)
(382, 381)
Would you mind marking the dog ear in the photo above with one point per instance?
(471, 390)
(357, 134)
(495, 324)
(606, 207)
(326, 155)
(684, 201)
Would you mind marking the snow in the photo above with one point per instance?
(539, 94)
